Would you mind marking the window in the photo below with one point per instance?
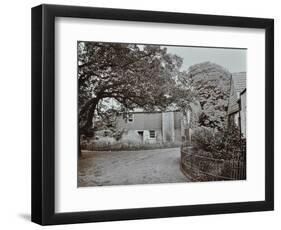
(152, 134)
(236, 120)
(130, 117)
(238, 95)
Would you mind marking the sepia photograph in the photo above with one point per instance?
(153, 113)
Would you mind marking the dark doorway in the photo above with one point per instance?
(141, 135)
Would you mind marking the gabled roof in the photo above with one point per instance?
(237, 86)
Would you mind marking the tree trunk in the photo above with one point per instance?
(84, 130)
(79, 151)
(79, 144)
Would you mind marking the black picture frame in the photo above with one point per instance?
(43, 110)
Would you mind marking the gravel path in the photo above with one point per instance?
(130, 167)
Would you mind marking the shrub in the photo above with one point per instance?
(203, 137)
(118, 134)
(224, 144)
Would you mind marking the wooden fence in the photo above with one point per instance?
(203, 168)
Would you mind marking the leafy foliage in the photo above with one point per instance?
(224, 144)
(211, 84)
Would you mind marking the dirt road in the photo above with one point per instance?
(130, 167)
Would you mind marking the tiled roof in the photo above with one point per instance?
(239, 80)
(237, 85)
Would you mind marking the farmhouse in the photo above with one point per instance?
(151, 127)
(237, 102)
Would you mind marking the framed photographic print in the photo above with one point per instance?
(142, 114)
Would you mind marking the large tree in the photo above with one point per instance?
(132, 75)
(211, 84)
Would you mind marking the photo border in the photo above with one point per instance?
(43, 114)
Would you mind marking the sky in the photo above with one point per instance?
(234, 60)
